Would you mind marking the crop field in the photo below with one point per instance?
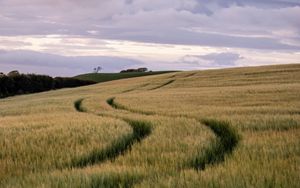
(236, 127)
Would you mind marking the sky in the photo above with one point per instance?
(70, 37)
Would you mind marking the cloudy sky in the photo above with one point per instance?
(69, 37)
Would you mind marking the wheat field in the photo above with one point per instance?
(236, 127)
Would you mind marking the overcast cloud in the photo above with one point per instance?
(42, 62)
(213, 59)
(272, 25)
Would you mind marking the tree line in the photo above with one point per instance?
(142, 69)
(31, 83)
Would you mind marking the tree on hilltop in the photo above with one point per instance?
(97, 69)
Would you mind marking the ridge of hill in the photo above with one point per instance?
(104, 77)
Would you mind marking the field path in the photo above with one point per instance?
(140, 129)
(163, 85)
(227, 138)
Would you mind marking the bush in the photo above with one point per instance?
(31, 83)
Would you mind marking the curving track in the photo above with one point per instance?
(227, 139)
(140, 130)
(163, 85)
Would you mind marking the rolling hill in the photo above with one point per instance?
(104, 77)
(237, 127)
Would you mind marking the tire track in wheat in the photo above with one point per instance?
(227, 138)
(140, 130)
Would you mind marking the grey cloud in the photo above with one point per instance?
(227, 23)
(222, 58)
(266, 3)
(29, 61)
(209, 7)
(226, 59)
(206, 39)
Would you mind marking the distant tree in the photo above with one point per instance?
(97, 69)
(142, 69)
(13, 73)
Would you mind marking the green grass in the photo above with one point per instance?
(104, 77)
(78, 106)
(111, 101)
(227, 140)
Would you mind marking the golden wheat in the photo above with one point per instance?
(42, 133)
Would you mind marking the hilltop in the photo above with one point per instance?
(104, 77)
